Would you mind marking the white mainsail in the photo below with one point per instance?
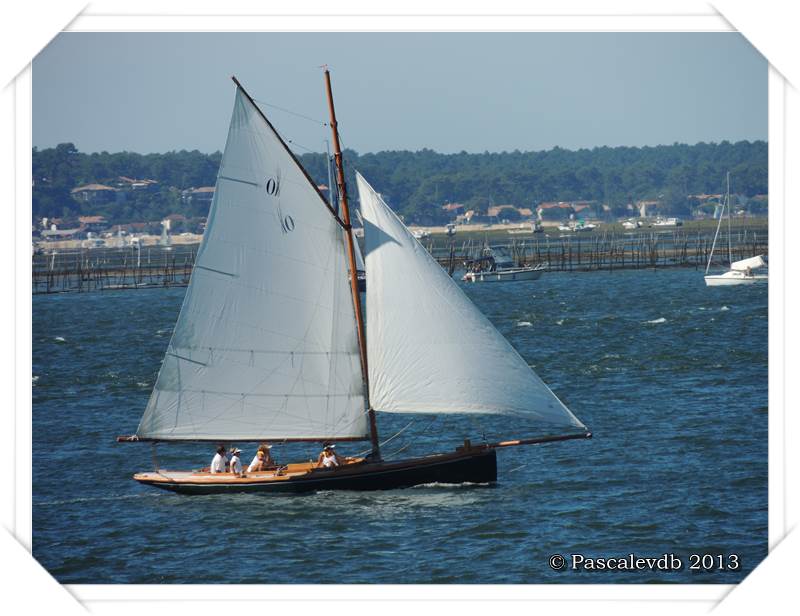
(430, 349)
(266, 345)
(751, 263)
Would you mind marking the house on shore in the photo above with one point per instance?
(509, 212)
(203, 195)
(97, 194)
(93, 223)
(554, 211)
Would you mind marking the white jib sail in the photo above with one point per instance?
(430, 349)
(752, 263)
(265, 346)
(357, 254)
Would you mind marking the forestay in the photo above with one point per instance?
(265, 346)
(430, 349)
(751, 263)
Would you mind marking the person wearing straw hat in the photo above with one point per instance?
(236, 462)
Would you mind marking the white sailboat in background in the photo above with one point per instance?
(740, 272)
(270, 344)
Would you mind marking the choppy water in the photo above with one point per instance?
(671, 377)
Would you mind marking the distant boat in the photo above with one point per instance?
(361, 273)
(527, 229)
(668, 222)
(93, 243)
(496, 265)
(740, 272)
(271, 345)
(631, 224)
(576, 227)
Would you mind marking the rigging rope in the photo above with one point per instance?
(407, 445)
(299, 115)
(302, 147)
(391, 438)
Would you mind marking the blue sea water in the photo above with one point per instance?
(670, 376)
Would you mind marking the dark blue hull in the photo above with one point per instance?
(471, 466)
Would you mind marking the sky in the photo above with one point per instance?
(450, 92)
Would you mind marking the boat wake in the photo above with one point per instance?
(463, 484)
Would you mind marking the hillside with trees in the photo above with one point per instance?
(417, 184)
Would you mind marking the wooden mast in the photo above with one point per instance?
(345, 215)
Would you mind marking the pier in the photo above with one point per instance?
(598, 250)
(105, 269)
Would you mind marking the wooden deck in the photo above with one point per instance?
(204, 476)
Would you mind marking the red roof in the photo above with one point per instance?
(552, 204)
(496, 209)
(450, 207)
(91, 187)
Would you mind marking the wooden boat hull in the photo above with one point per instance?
(478, 465)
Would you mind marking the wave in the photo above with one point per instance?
(463, 484)
(59, 339)
(524, 324)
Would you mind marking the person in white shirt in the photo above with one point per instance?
(236, 463)
(328, 458)
(219, 461)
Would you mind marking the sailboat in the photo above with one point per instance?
(740, 272)
(270, 344)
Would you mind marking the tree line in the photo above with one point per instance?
(417, 184)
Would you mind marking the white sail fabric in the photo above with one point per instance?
(357, 253)
(265, 346)
(430, 349)
(752, 263)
